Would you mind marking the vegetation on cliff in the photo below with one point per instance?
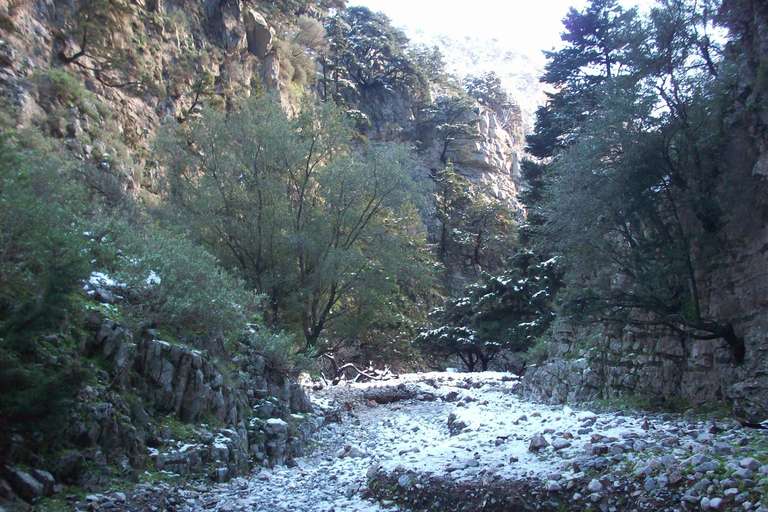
(635, 183)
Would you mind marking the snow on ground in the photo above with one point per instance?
(471, 430)
(413, 435)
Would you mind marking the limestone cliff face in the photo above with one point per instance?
(163, 50)
(494, 159)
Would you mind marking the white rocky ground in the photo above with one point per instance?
(450, 441)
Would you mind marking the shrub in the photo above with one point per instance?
(279, 350)
(175, 282)
(42, 251)
(539, 352)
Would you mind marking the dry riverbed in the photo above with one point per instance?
(451, 441)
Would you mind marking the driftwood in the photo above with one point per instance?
(362, 375)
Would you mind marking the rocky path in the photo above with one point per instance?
(468, 442)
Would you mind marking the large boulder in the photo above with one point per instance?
(24, 484)
(258, 33)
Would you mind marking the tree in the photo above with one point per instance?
(315, 225)
(367, 53)
(633, 208)
(472, 224)
(489, 91)
(505, 313)
(43, 261)
(451, 121)
(42, 254)
(429, 60)
(598, 41)
(98, 25)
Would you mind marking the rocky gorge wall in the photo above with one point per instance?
(653, 366)
(587, 364)
(162, 407)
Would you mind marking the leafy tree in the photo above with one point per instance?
(633, 207)
(430, 62)
(505, 313)
(315, 225)
(367, 53)
(471, 223)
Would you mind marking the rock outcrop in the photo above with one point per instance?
(493, 160)
(172, 408)
(258, 33)
(654, 365)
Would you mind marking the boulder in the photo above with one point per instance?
(44, 478)
(258, 33)
(24, 484)
(537, 443)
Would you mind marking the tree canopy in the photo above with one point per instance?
(629, 188)
(324, 230)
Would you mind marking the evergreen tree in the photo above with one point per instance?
(633, 203)
(504, 313)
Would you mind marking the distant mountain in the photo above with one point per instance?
(471, 56)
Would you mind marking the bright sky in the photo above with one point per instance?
(528, 26)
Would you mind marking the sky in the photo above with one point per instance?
(528, 26)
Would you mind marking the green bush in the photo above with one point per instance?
(42, 251)
(42, 262)
(539, 352)
(67, 90)
(172, 281)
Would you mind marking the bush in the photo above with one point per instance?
(33, 401)
(174, 282)
(539, 352)
(67, 90)
(42, 251)
(42, 262)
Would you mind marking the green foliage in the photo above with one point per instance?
(488, 90)
(366, 53)
(538, 352)
(634, 139)
(298, 49)
(32, 400)
(508, 312)
(173, 282)
(452, 121)
(280, 350)
(42, 252)
(429, 61)
(472, 224)
(6, 23)
(42, 260)
(67, 90)
(311, 223)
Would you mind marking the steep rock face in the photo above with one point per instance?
(653, 364)
(153, 382)
(493, 160)
(171, 43)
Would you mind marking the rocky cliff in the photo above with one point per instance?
(666, 367)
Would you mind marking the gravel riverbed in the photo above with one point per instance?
(452, 441)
